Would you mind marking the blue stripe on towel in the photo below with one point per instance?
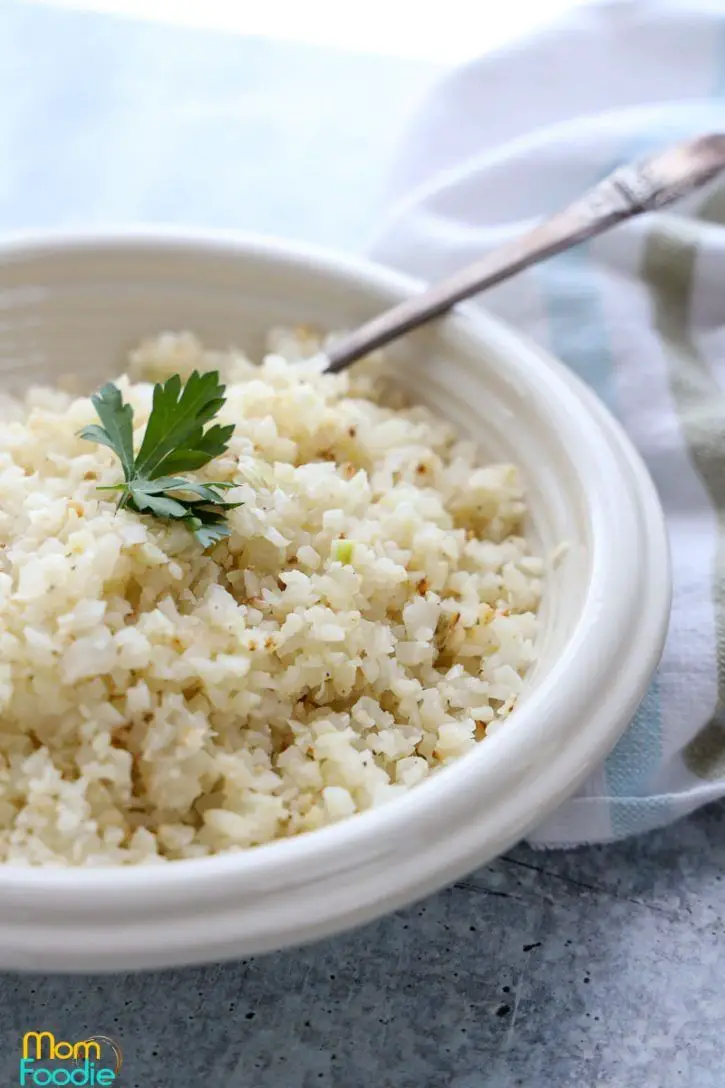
(631, 764)
(578, 336)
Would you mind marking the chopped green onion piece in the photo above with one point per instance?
(342, 551)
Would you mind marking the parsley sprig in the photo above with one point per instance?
(175, 441)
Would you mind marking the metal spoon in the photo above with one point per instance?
(640, 187)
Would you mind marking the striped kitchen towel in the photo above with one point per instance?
(639, 314)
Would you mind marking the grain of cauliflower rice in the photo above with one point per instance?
(368, 621)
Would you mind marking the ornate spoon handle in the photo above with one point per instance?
(640, 187)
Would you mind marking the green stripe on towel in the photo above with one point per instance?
(669, 263)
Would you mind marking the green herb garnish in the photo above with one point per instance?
(174, 441)
(342, 551)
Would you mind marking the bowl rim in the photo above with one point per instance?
(369, 835)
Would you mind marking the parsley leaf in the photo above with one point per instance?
(176, 424)
(174, 441)
(117, 429)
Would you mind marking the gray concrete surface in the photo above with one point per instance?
(597, 967)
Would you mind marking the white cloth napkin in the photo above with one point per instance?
(639, 314)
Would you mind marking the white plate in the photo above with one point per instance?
(76, 304)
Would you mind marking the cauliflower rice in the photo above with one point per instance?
(368, 621)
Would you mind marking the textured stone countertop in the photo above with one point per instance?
(598, 967)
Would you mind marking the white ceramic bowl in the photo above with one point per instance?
(76, 304)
